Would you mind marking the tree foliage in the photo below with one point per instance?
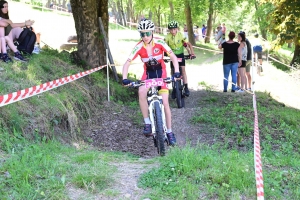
(285, 24)
(284, 20)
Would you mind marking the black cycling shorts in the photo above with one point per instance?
(182, 63)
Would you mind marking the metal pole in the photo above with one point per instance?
(252, 68)
(268, 55)
(107, 72)
(105, 39)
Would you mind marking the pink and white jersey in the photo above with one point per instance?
(159, 47)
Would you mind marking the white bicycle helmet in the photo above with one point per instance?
(146, 25)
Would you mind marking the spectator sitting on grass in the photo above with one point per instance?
(5, 30)
(17, 28)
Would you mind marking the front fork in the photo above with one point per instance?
(173, 83)
(151, 116)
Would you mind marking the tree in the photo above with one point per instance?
(86, 15)
(171, 10)
(209, 22)
(216, 7)
(285, 23)
(260, 14)
(189, 22)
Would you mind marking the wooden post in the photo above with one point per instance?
(111, 61)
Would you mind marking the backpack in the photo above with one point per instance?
(26, 41)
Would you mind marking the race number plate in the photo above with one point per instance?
(179, 59)
(154, 82)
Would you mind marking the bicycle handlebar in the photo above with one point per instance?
(186, 57)
(142, 82)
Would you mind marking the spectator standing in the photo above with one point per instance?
(219, 36)
(223, 28)
(203, 31)
(257, 53)
(196, 33)
(231, 60)
(69, 7)
(242, 56)
(185, 32)
(249, 62)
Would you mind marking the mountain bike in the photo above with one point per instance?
(178, 85)
(156, 111)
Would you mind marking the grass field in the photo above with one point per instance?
(35, 165)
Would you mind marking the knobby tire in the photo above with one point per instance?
(178, 89)
(160, 136)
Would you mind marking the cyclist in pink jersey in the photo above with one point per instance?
(151, 51)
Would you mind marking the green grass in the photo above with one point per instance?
(283, 58)
(225, 169)
(43, 169)
(190, 173)
(73, 101)
(35, 166)
(113, 26)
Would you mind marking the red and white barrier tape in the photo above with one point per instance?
(220, 52)
(29, 92)
(257, 156)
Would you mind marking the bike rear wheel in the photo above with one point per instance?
(160, 135)
(179, 97)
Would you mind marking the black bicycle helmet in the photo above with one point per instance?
(173, 24)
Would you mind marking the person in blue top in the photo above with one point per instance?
(257, 52)
(203, 31)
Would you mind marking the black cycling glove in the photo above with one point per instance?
(126, 81)
(176, 75)
(192, 56)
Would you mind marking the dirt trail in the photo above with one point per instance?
(116, 129)
(125, 185)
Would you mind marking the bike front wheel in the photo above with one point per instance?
(179, 98)
(160, 135)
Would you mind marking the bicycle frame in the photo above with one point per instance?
(151, 99)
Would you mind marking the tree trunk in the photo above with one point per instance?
(120, 20)
(48, 3)
(209, 23)
(130, 11)
(150, 15)
(171, 10)
(189, 22)
(158, 24)
(296, 58)
(114, 10)
(86, 15)
(122, 13)
(214, 17)
(262, 30)
(64, 4)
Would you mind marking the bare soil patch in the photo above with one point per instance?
(116, 127)
(124, 186)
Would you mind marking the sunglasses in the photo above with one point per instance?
(143, 34)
